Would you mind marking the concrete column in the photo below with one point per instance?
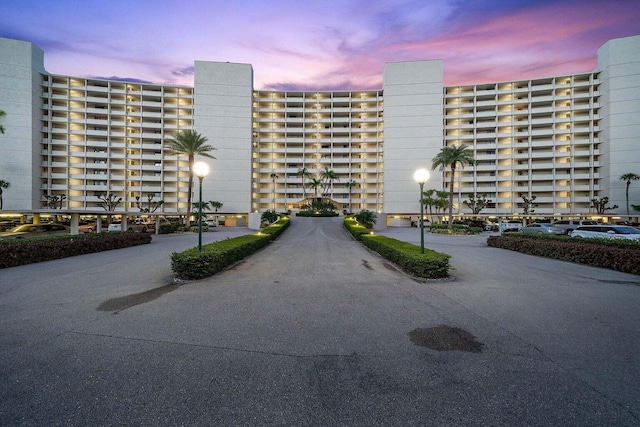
(75, 222)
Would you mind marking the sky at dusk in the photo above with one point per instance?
(322, 44)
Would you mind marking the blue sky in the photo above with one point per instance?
(319, 45)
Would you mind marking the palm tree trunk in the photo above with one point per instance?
(188, 222)
(627, 194)
(453, 173)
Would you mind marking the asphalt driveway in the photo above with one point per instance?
(316, 330)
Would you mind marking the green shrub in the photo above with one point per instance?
(269, 217)
(320, 214)
(430, 264)
(619, 255)
(27, 251)
(170, 228)
(366, 218)
(355, 229)
(215, 257)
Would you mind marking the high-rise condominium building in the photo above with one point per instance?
(72, 141)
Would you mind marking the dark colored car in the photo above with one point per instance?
(27, 231)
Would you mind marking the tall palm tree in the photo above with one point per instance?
(314, 183)
(3, 184)
(273, 179)
(190, 143)
(628, 177)
(452, 156)
(304, 174)
(2, 114)
(350, 185)
(327, 176)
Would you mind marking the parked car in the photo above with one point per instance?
(115, 226)
(491, 226)
(538, 227)
(569, 225)
(140, 225)
(34, 230)
(510, 226)
(607, 232)
(8, 225)
(87, 226)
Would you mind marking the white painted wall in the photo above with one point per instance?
(413, 130)
(619, 66)
(20, 74)
(223, 113)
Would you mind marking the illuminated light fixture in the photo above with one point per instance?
(421, 176)
(201, 169)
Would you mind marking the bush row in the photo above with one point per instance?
(455, 229)
(430, 264)
(20, 252)
(316, 213)
(619, 255)
(193, 264)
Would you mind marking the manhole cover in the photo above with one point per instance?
(445, 338)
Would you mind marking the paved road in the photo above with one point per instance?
(314, 330)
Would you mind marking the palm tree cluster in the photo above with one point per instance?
(435, 200)
(322, 182)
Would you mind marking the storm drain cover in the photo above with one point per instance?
(445, 338)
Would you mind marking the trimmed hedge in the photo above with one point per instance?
(430, 264)
(620, 255)
(319, 214)
(356, 229)
(27, 251)
(193, 264)
(455, 229)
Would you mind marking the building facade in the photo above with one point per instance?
(70, 141)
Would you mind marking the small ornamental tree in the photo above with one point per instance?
(600, 205)
(109, 202)
(151, 205)
(477, 203)
(528, 205)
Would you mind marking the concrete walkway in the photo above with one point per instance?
(314, 330)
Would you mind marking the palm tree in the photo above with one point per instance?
(190, 143)
(628, 177)
(304, 173)
(215, 205)
(452, 156)
(350, 185)
(2, 114)
(3, 184)
(327, 177)
(314, 183)
(273, 179)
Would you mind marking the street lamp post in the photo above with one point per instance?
(201, 169)
(421, 176)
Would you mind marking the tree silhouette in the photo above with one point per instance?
(452, 156)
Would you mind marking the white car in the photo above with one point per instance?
(607, 232)
(115, 226)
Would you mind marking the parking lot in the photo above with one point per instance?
(316, 330)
